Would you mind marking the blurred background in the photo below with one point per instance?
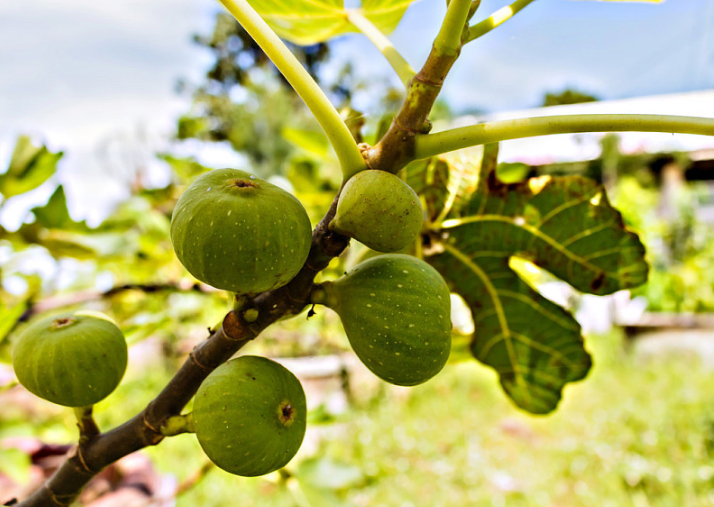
(109, 110)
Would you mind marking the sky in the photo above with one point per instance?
(83, 75)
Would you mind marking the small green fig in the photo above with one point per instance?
(396, 312)
(378, 209)
(74, 359)
(250, 416)
(239, 233)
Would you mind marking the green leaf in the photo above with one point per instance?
(15, 464)
(326, 473)
(187, 169)
(30, 166)
(447, 182)
(311, 141)
(55, 215)
(563, 225)
(306, 22)
(9, 317)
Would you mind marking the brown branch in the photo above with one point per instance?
(396, 148)
(144, 429)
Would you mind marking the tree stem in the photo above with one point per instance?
(337, 132)
(491, 132)
(376, 37)
(396, 148)
(497, 19)
(449, 38)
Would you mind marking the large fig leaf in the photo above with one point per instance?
(30, 166)
(446, 183)
(564, 225)
(306, 22)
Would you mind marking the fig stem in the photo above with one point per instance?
(177, 424)
(239, 301)
(88, 429)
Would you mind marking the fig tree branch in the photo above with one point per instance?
(449, 38)
(396, 148)
(337, 132)
(497, 19)
(491, 132)
(145, 428)
(376, 37)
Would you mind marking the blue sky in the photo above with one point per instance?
(75, 73)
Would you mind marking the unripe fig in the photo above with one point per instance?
(74, 359)
(250, 415)
(380, 210)
(239, 233)
(396, 312)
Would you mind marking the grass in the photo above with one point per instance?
(634, 433)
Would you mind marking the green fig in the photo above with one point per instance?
(396, 311)
(250, 416)
(239, 233)
(378, 209)
(74, 359)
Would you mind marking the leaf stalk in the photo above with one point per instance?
(491, 132)
(496, 19)
(334, 127)
(383, 44)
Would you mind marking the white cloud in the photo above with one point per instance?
(75, 73)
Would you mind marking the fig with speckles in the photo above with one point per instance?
(396, 311)
(73, 359)
(237, 232)
(250, 416)
(380, 210)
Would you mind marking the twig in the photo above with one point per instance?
(497, 19)
(195, 478)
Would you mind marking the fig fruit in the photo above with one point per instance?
(380, 210)
(250, 415)
(396, 312)
(74, 359)
(239, 233)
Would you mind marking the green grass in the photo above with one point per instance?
(634, 433)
